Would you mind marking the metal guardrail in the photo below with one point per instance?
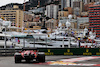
(56, 51)
(8, 52)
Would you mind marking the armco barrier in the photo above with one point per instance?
(8, 52)
(56, 51)
(70, 51)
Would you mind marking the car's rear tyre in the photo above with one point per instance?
(40, 58)
(17, 59)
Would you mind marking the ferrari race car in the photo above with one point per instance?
(29, 54)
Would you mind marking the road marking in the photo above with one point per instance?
(68, 63)
(80, 59)
(96, 65)
(75, 64)
(72, 61)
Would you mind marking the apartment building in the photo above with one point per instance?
(62, 14)
(94, 18)
(52, 11)
(14, 15)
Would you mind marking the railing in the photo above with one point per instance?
(56, 51)
(8, 52)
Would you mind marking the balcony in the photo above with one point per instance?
(94, 15)
(94, 8)
(94, 26)
(94, 18)
(94, 11)
(94, 23)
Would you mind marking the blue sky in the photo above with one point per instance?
(4, 2)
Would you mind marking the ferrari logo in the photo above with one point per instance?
(49, 52)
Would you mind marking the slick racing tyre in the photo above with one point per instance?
(40, 58)
(17, 59)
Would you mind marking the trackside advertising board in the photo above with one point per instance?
(70, 51)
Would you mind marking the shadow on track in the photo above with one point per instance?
(31, 62)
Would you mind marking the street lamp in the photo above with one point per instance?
(5, 25)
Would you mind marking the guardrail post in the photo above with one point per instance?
(69, 43)
(46, 42)
(63, 44)
(5, 52)
(34, 42)
(5, 39)
(23, 41)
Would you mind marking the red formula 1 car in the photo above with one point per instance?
(29, 54)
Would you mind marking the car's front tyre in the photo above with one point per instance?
(17, 59)
(41, 58)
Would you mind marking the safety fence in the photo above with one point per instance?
(56, 51)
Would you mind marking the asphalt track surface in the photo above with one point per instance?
(78, 61)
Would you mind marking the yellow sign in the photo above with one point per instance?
(68, 52)
(48, 50)
(78, 38)
(98, 53)
(87, 52)
(49, 53)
